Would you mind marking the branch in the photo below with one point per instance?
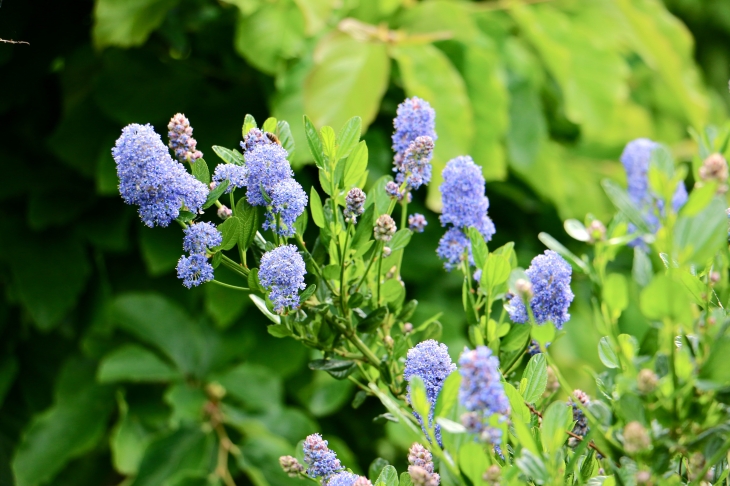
(11, 41)
(575, 436)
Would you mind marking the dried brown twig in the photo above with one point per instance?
(11, 41)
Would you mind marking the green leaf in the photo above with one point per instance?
(448, 396)
(473, 462)
(229, 156)
(250, 217)
(128, 440)
(315, 143)
(264, 52)
(666, 298)
(222, 304)
(283, 132)
(249, 122)
(264, 310)
(348, 137)
(254, 385)
(373, 320)
(157, 321)
(327, 134)
(429, 74)
(699, 237)
(278, 330)
(269, 125)
(620, 199)
(520, 412)
(616, 293)
(315, 205)
(308, 292)
(71, 427)
(136, 364)
(231, 231)
(356, 165)
(419, 399)
(400, 239)
(253, 280)
(642, 270)
(201, 172)
(607, 354)
(8, 372)
(215, 194)
(352, 71)
(558, 248)
(555, 421)
(364, 231)
(576, 230)
(176, 455)
(535, 378)
(129, 23)
(161, 249)
(496, 271)
(388, 477)
(478, 247)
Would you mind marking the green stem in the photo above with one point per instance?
(310, 258)
(343, 294)
(359, 344)
(378, 249)
(234, 287)
(404, 212)
(234, 266)
(379, 274)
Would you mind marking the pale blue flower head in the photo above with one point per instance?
(266, 166)
(151, 179)
(343, 478)
(253, 138)
(322, 461)
(550, 276)
(181, 138)
(200, 237)
(282, 272)
(415, 118)
(194, 270)
(234, 174)
(415, 165)
(417, 222)
(463, 198)
(288, 201)
(452, 246)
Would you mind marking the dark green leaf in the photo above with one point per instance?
(278, 330)
(315, 205)
(283, 132)
(315, 143)
(229, 156)
(250, 217)
(308, 292)
(127, 24)
(215, 194)
(373, 320)
(230, 229)
(400, 239)
(136, 364)
(478, 247)
(254, 385)
(201, 172)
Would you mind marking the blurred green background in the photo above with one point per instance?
(542, 94)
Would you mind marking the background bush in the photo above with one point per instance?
(543, 96)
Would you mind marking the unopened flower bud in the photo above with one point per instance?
(393, 190)
(291, 466)
(362, 481)
(492, 475)
(596, 231)
(417, 222)
(524, 288)
(714, 168)
(582, 397)
(391, 273)
(384, 228)
(714, 277)
(420, 456)
(181, 139)
(636, 438)
(552, 382)
(646, 381)
(421, 477)
(407, 328)
(354, 205)
(388, 342)
(215, 391)
(386, 251)
(224, 212)
(643, 478)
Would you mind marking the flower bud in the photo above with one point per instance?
(291, 466)
(596, 231)
(524, 289)
(362, 481)
(417, 222)
(386, 251)
(407, 328)
(643, 478)
(714, 277)
(354, 205)
(646, 381)
(421, 477)
(714, 168)
(384, 228)
(636, 438)
(492, 475)
(388, 342)
(393, 190)
(224, 212)
(552, 382)
(420, 456)
(215, 391)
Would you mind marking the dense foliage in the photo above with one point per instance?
(108, 363)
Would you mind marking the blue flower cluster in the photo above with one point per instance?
(417, 222)
(581, 427)
(266, 166)
(151, 179)
(415, 118)
(195, 269)
(343, 478)
(200, 237)
(288, 201)
(282, 272)
(415, 166)
(431, 362)
(253, 138)
(550, 277)
(321, 461)
(181, 138)
(636, 159)
(234, 174)
(464, 205)
(481, 392)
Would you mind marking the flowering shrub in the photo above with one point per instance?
(504, 414)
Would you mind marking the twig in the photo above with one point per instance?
(11, 41)
(575, 436)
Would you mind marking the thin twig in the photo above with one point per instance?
(11, 41)
(575, 436)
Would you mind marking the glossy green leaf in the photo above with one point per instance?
(228, 156)
(535, 378)
(607, 354)
(136, 364)
(315, 205)
(201, 172)
(231, 231)
(356, 165)
(555, 422)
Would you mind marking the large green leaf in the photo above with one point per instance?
(72, 426)
(353, 72)
(134, 363)
(127, 23)
(429, 74)
(256, 386)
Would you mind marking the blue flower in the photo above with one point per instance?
(322, 461)
(253, 138)
(181, 138)
(431, 362)
(415, 118)
(200, 237)
(234, 174)
(550, 278)
(194, 270)
(417, 222)
(462, 195)
(151, 179)
(343, 478)
(481, 391)
(415, 165)
(451, 248)
(288, 201)
(354, 204)
(266, 166)
(282, 272)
